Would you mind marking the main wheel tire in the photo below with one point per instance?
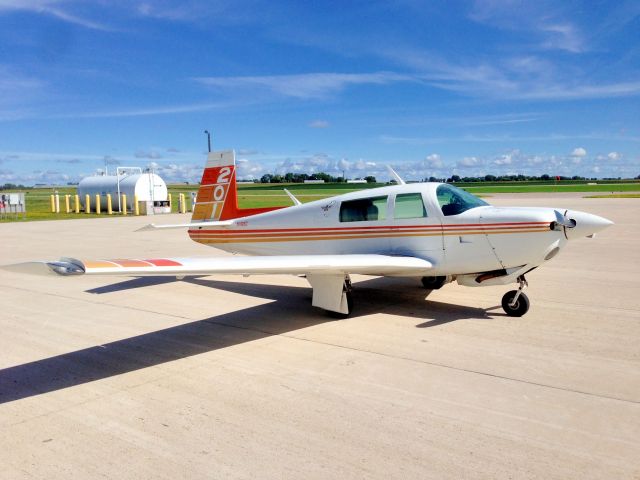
(340, 315)
(520, 308)
(433, 283)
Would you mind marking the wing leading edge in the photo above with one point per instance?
(365, 264)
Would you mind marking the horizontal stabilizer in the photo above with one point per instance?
(153, 226)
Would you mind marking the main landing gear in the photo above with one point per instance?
(515, 303)
(347, 288)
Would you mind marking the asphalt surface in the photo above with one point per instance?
(231, 377)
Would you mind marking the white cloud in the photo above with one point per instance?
(506, 158)
(546, 26)
(148, 154)
(306, 85)
(174, 173)
(319, 124)
(433, 161)
(468, 162)
(614, 156)
(507, 77)
(563, 36)
(53, 8)
(247, 169)
(579, 152)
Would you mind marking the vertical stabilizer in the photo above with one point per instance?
(217, 197)
(217, 187)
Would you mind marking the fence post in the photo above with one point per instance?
(67, 205)
(53, 204)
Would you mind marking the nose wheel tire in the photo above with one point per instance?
(517, 308)
(433, 283)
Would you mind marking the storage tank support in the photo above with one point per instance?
(98, 206)
(123, 205)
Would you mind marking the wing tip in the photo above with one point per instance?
(64, 266)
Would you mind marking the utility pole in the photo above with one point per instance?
(208, 139)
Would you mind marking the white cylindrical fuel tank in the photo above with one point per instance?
(148, 187)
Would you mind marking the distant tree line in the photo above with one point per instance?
(301, 177)
(11, 186)
(507, 178)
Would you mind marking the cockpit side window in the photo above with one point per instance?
(364, 209)
(409, 205)
(454, 201)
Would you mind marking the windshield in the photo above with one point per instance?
(454, 201)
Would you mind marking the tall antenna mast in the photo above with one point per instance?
(208, 139)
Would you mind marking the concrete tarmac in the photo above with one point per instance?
(231, 377)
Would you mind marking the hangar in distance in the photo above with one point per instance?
(432, 231)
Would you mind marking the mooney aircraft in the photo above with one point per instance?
(433, 231)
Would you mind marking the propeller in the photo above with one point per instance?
(563, 221)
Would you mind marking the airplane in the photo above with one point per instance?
(432, 231)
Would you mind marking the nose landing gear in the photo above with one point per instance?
(515, 303)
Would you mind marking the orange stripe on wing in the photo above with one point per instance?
(128, 262)
(99, 264)
(164, 262)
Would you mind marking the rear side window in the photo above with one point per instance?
(364, 210)
(409, 205)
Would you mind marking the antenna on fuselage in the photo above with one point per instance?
(295, 201)
(395, 176)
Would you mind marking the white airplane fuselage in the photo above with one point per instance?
(480, 239)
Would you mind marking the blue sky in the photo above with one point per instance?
(432, 88)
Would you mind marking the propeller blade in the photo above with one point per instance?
(563, 220)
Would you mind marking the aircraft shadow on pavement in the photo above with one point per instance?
(290, 311)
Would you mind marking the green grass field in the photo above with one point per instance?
(261, 195)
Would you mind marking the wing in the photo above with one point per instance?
(282, 264)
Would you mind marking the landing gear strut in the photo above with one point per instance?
(347, 288)
(515, 303)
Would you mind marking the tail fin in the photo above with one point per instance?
(217, 197)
